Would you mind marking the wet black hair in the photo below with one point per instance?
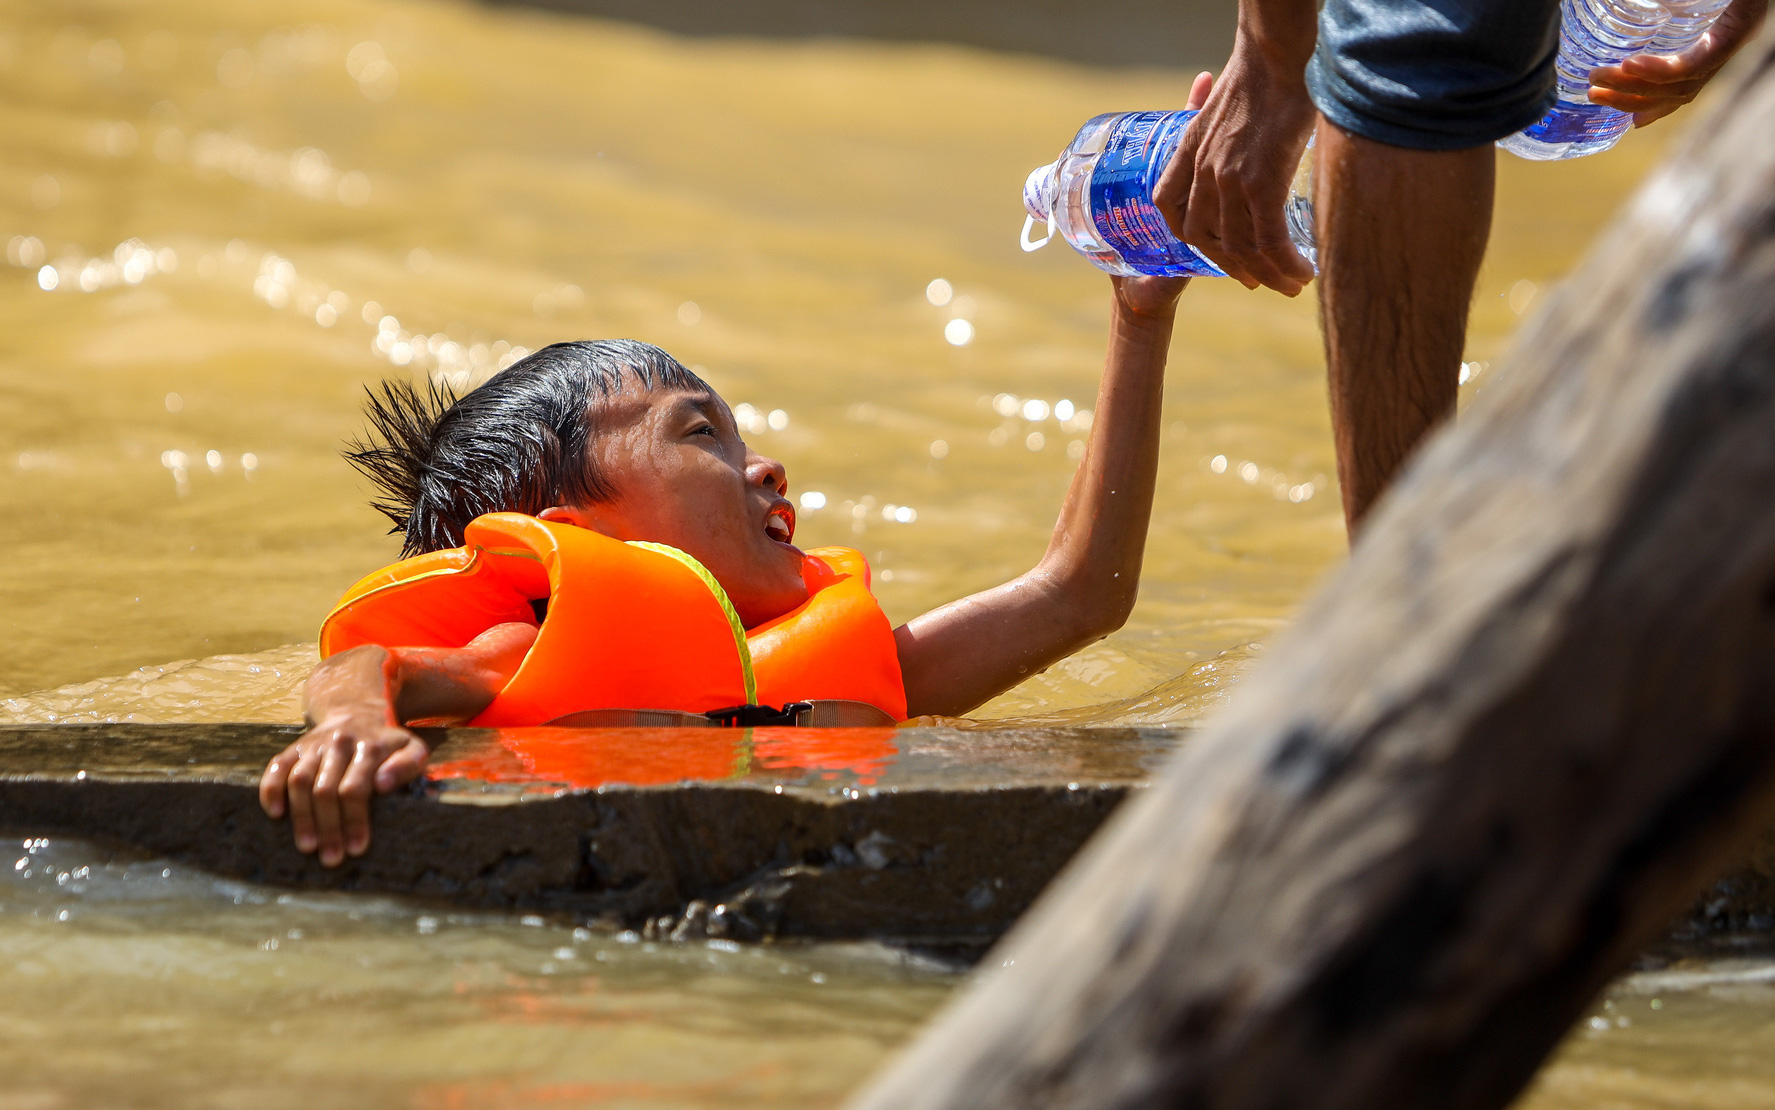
(516, 443)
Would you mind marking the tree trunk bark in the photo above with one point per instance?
(1490, 761)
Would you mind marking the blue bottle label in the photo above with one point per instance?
(1567, 122)
(1134, 155)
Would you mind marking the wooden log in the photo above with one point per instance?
(1492, 759)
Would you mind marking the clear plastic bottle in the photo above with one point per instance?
(1599, 33)
(1099, 196)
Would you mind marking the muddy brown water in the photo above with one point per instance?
(249, 212)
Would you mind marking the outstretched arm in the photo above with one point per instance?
(355, 705)
(958, 656)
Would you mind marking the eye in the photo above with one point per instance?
(704, 430)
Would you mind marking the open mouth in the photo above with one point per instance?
(780, 524)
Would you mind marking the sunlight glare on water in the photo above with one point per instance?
(223, 220)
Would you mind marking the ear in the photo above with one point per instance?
(583, 516)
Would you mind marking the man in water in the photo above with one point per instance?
(1408, 99)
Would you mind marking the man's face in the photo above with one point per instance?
(682, 476)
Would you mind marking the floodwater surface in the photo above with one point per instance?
(223, 220)
(143, 984)
(246, 213)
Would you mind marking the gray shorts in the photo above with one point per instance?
(1437, 75)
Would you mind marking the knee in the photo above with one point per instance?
(1435, 77)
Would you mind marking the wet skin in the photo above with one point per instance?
(682, 476)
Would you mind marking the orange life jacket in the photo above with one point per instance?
(629, 625)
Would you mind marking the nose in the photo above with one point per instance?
(769, 473)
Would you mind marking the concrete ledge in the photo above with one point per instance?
(924, 836)
(918, 835)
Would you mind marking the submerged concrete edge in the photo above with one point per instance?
(925, 863)
(943, 866)
(928, 864)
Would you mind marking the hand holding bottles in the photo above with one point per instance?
(1224, 190)
(1651, 86)
(1098, 195)
(1623, 63)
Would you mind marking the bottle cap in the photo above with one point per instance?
(1038, 191)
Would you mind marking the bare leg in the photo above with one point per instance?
(1401, 234)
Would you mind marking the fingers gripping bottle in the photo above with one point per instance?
(1099, 196)
(1596, 33)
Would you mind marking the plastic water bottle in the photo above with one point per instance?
(1099, 195)
(1601, 33)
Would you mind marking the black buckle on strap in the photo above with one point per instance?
(759, 716)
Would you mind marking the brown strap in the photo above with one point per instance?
(633, 718)
(834, 713)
